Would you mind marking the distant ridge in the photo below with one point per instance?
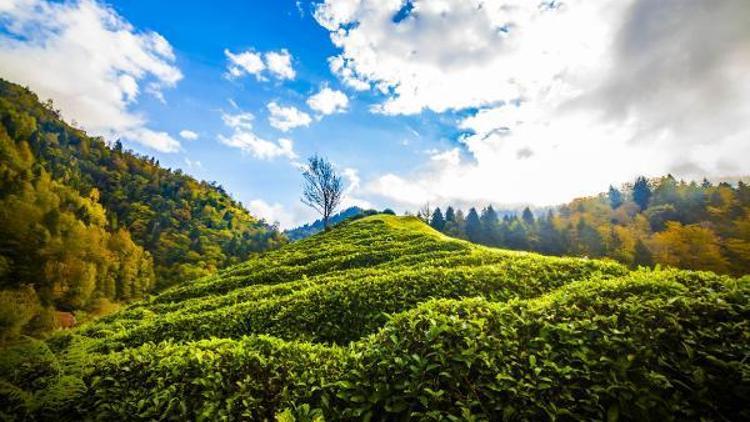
(310, 229)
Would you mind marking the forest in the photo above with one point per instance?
(659, 221)
(85, 225)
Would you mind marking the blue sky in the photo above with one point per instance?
(463, 102)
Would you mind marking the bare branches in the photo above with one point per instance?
(323, 188)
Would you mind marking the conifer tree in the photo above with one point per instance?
(473, 226)
(641, 192)
(528, 216)
(438, 221)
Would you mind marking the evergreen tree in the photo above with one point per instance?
(528, 217)
(641, 192)
(450, 215)
(490, 227)
(438, 221)
(615, 197)
(473, 226)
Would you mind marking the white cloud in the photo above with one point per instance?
(287, 217)
(272, 213)
(571, 96)
(286, 118)
(91, 62)
(244, 63)
(353, 186)
(246, 140)
(188, 135)
(280, 64)
(250, 62)
(160, 141)
(328, 101)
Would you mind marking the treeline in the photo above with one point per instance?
(82, 222)
(660, 221)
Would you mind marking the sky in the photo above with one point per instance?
(464, 102)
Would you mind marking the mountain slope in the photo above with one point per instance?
(190, 228)
(385, 318)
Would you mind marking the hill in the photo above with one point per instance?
(310, 229)
(385, 318)
(109, 223)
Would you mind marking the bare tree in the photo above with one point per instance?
(323, 187)
(425, 213)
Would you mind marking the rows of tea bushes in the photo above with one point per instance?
(339, 306)
(445, 331)
(649, 346)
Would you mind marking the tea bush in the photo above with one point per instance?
(383, 318)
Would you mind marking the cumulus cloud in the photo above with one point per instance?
(328, 101)
(560, 98)
(277, 63)
(244, 63)
(287, 118)
(188, 135)
(246, 140)
(91, 62)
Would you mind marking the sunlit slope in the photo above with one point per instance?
(339, 286)
(383, 318)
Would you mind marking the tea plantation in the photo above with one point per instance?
(383, 318)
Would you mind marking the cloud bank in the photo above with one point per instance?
(559, 99)
(101, 65)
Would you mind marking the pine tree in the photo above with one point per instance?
(437, 222)
(450, 215)
(490, 227)
(473, 226)
(641, 192)
(528, 217)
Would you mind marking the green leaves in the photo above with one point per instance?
(374, 320)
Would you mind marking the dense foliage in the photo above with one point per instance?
(661, 221)
(81, 221)
(385, 318)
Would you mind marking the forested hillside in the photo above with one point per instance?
(384, 318)
(660, 221)
(82, 222)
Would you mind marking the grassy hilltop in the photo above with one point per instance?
(385, 318)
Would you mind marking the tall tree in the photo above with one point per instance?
(450, 215)
(528, 216)
(473, 226)
(323, 187)
(641, 192)
(615, 197)
(490, 227)
(438, 221)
